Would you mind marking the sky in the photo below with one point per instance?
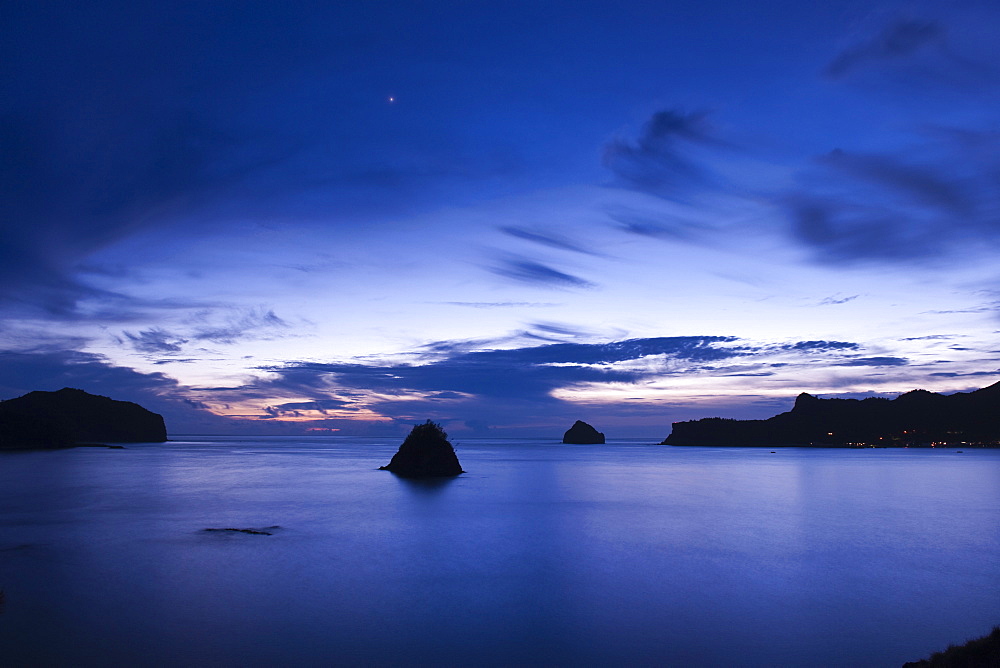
(344, 218)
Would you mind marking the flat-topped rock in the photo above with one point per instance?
(426, 453)
(582, 433)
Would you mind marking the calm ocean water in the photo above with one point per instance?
(542, 554)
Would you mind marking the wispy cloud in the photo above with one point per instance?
(889, 208)
(659, 160)
(532, 272)
(900, 39)
(930, 199)
(872, 361)
(221, 326)
(952, 374)
(548, 239)
(246, 323)
(833, 301)
(554, 331)
(931, 337)
(155, 341)
(666, 227)
(820, 346)
(502, 304)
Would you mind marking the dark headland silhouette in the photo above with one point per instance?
(915, 419)
(71, 417)
(975, 653)
(582, 433)
(426, 453)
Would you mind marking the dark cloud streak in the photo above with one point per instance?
(156, 341)
(659, 160)
(900, 39)
(222, 327)
(517, 374)
(547, 239)
(529, 271)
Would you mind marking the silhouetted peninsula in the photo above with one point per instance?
(915, 419)
(426, 453)
(69, 417)
(582, 433)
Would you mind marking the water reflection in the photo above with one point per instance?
(424, 486)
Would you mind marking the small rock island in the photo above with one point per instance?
(426, 453)
(582, 433)
(69, 417)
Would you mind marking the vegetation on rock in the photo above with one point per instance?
(426, 453)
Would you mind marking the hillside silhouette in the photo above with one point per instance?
(69, 416)
(917, 418)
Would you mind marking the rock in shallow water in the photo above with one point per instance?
(582, 433)
(426, 453)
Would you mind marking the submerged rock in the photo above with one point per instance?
(266, 531)
(582, 433)
(426, 453)
(69, 417)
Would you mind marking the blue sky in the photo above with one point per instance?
(266, 217)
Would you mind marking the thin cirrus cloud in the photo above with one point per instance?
(659, 160)
(550, 240)
(555, 331)
(490, 305)
(834, 301)
(872, 361)
(900, 39)
(816, 346)
(900, 208)
(954, 374)
(932, 196)
(644, 224)
(532, 272)
(245, 324)
(155, 341)
(299, 409)
(97, 189)
(219, 326)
